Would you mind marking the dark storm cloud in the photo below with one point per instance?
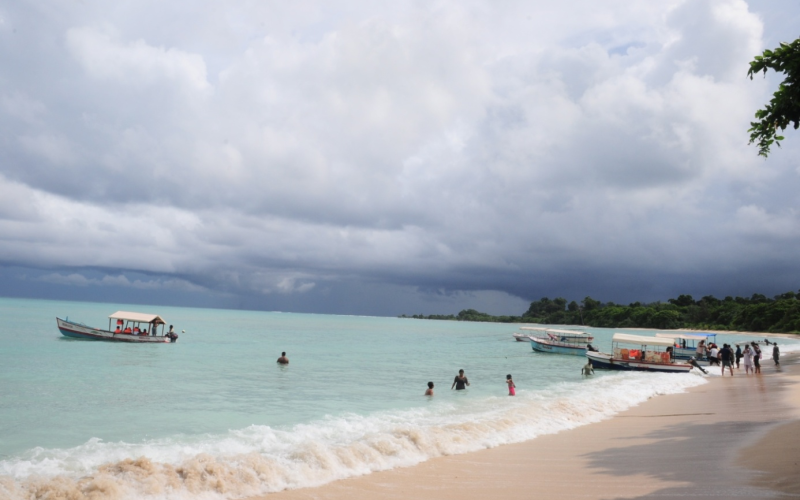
(370, 159)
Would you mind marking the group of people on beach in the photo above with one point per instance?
(461, 382)
(750, 356)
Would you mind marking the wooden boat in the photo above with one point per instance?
(639, 353)
(562, 342)
(526, 337)
(685, 346)
(130, 327)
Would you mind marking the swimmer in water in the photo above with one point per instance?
(283, 360)
(429, 392)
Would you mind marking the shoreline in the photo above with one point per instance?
(721, 439)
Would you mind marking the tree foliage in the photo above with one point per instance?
(784, 108)
(756, 313)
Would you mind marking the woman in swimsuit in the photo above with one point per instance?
(511, 386)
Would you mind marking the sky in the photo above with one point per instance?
(387, 158)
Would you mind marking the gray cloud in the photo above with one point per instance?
(355, 157)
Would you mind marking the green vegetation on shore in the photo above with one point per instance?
(758, 313)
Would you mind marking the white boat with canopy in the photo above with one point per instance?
(639, 353)
(130, 327)
(686, 344)
(562, 342)
(526, 337)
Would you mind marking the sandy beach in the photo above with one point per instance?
(732, 437)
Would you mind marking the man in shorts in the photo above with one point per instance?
(726, 357)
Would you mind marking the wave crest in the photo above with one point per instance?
(261, 459)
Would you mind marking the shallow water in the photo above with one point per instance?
(214, 416)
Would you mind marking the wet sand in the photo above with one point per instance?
(733, 437)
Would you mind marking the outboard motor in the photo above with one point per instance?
(693, 362)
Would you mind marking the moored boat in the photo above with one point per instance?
(526, 337)
(562, 342)
(686, 344)
(639, 353)
(130, 327)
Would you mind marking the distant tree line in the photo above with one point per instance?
(757, 313)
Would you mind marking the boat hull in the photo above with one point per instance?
(605, 361)
(77, 331)
(546, 345)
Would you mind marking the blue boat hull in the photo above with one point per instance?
(77, 335)
(542, 345)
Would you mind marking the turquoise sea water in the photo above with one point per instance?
(214, 415)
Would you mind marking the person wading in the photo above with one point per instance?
(460, 382)
(726, 357)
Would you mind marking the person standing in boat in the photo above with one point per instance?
(460, 382)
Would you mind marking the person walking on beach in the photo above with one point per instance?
(747, 356)
(738, 355)
(776, 354)
(511, 387)
(460, 382)
(756, 358)
(429, 391)
(726, 357)
(283, 360)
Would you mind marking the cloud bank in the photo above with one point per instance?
(368, 159)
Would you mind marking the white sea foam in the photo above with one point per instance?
(261, 459)
(785, 348)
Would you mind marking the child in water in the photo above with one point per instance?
(511, 386)
(429, 392)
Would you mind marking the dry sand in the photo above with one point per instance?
(733, 437)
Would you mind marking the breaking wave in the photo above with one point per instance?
(262, 459)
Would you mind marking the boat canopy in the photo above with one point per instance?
(535, 328)
(574, 333)
(138, 317)
(682, 336)
(642, 340)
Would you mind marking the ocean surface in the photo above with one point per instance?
(213, 416)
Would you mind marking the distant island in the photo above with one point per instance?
(780, 314)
